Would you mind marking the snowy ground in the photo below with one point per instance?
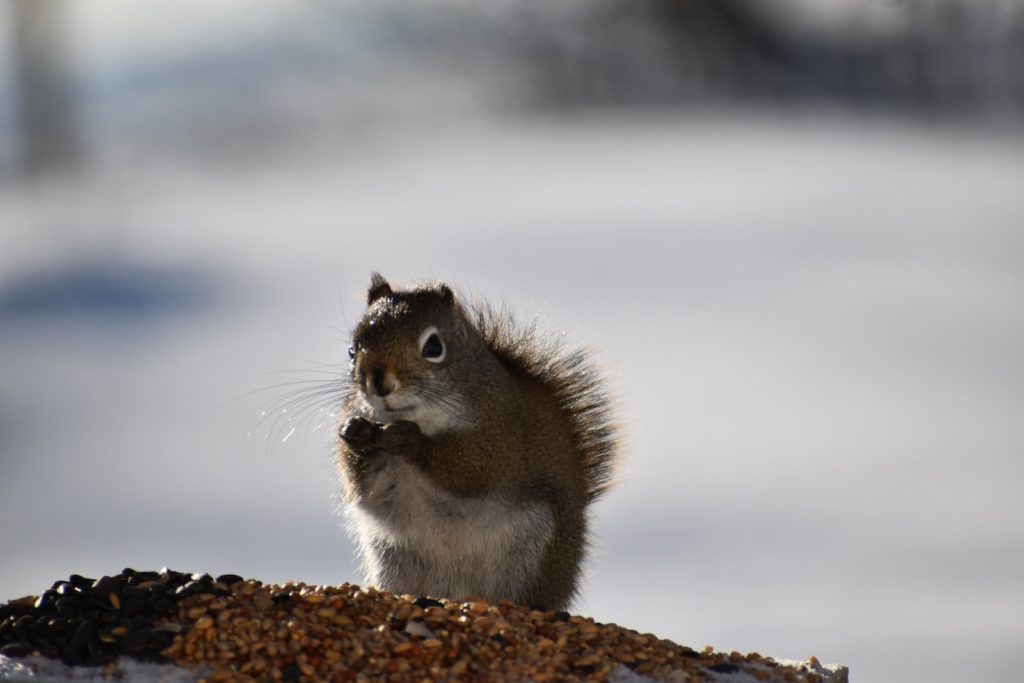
(39, 670)
(814, 326)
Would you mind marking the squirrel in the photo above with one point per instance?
(470, 447)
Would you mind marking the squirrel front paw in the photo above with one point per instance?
(359, 434)
(401, 437)
(365, 438)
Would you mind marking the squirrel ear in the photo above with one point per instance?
(378, 287)
(445, 292)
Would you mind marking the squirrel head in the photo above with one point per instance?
(408, 352)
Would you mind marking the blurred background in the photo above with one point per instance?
(791, 229)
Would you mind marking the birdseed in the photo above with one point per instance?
(230, 629)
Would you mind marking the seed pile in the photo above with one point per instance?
(230, 629)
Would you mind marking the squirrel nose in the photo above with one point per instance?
(379, 383)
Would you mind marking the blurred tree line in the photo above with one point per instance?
(942, 56)
(933, 56)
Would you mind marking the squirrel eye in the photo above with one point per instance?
(431, 346)
(352, 352)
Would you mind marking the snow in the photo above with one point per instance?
(40, 670)
(821, 400)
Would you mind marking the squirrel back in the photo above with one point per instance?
(470, 447)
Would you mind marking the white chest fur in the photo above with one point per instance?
(416, 538)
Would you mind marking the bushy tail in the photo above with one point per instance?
(571, 376)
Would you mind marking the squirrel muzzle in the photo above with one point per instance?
(382, 381)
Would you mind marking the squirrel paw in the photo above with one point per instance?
(365, 438)
(359, 433)
(401, 437)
